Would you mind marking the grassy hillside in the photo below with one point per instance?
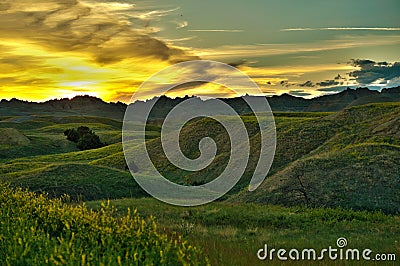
(347, 159)
(80, 181)
(50, 163)
(45, 134)
(360, 177)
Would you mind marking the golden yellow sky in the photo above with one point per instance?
(55, 49)
(62, 48)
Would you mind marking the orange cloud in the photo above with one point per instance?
(60, 48)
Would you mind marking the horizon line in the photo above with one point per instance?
(190, 96)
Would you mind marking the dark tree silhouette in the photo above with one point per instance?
(89, 141)
(82, 130)
(72, 135)
(84, 138)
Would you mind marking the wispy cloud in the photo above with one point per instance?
(110, 6)
(215, 30)
(342, 42)
(178, 40)
(182, 24)
(156, 13)
(344, 29)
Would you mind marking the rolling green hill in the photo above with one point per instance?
(341, 159)
(80, 181)
(349, 159)
(359, 177)
(44, 134)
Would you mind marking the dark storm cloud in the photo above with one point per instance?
(184, 86)
(329, 82)
(308, 83)
(71, 25)
(338, 77)
(370, 71)
(325, 83)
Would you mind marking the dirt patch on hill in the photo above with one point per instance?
(389, 128)
(11, 136)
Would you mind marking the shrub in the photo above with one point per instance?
(82, 130)
(84, 138)
(89, 141)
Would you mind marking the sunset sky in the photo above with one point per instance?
(62, 48)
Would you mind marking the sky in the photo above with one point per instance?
(62, 48)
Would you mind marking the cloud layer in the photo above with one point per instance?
(54, 44)
(73, 26)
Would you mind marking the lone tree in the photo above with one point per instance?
(84, 138)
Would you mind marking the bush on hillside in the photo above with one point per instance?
(89, 141)
(84, 138)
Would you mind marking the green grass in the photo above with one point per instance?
(116, 160)
(60, 128)
(317, 141)
(231, 234)
(80, 181)
(39, 144)
(78, 156)
(36, 231)
(361, 177)
(302, 114)
(46, 134)
(349, 159)
(336, 173)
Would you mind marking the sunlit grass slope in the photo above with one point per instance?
(37, 231)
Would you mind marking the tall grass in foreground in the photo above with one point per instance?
(231, 233)
(35, 230)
